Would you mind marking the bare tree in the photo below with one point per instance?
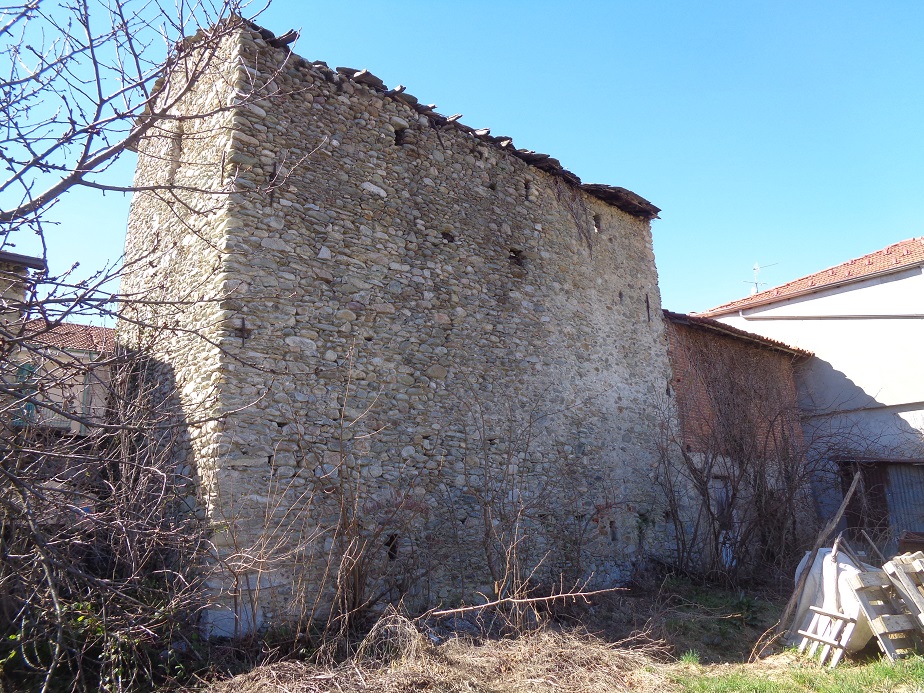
(99, 531)
(734, 466)
(84, 82)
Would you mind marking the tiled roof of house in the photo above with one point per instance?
(895, 257)
(729, 331)
(68, 335)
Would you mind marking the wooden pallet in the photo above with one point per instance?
(828, 630)
(907, 575)
(896, 632)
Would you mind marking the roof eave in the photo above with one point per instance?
(805, 292)
(28, 261)
(625, 200)
(735, 333)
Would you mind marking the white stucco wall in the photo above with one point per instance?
(865, 381)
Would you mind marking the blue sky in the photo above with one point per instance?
(787, 134)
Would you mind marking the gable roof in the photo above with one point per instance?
(71, 336)
(893, 258)
(700, 322)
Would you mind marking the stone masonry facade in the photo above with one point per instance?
(405, 351)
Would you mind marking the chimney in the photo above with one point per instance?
(14, 280)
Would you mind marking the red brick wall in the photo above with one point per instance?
(729, 389)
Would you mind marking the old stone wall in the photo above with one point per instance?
(174, 253)
(436, 363)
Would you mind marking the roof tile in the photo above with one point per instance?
(68, 335)
(729, 331)
(896, 256)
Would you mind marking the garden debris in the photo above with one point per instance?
(845, 603)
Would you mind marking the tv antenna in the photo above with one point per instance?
(757, 284)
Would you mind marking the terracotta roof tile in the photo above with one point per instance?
(894, 257)
(728, 330)
(68, 335)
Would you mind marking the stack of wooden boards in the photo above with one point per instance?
(891, 599)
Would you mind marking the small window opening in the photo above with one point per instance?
(648, 307)
(448, 237)
(26, 386)
(597, 223)
(527, 188)
(392, 545)
(516, 257)
(400, 137)
(620, 296)
(612, 530)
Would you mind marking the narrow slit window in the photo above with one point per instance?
(391, 544)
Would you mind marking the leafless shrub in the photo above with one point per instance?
(101, 535)
(734, 467)
(98, 533)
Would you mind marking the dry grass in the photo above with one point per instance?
(397, 658)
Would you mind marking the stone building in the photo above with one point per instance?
(412, 359)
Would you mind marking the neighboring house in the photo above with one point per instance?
(48, 381)
(734, 448)
(862, 394)
(70, 359)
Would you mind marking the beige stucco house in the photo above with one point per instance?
(862, 393)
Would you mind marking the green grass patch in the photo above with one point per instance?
(882, 676)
